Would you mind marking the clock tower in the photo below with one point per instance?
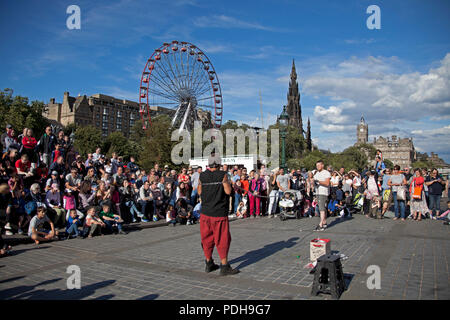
(362, 132)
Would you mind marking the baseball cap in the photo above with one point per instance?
(8, 126)
(54, 173)
(214, 160)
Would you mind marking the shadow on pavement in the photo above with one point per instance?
(15, 252)
(25, 292)
(259, 254)
(149, 297)
(12, 279)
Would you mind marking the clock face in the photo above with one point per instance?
(361, 129)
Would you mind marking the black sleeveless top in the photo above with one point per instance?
(214, 198)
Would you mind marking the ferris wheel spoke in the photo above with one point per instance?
(205, 106)
(199, 99)
(162, 94)
(204, 90)
(197, 75)
(175, 78)
(169, 92)
(163, 69)
(180, 74)
(166, 84)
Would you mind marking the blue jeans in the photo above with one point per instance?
(144, 205)
(397, 204)
(194, 196)
(109, 225)
(237, 200)
(133, 209)
(435, 203)
(73, 229)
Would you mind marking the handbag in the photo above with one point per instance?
(417, 192)
(401, 193)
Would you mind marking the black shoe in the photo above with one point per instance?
(211, 266)
(227, 270)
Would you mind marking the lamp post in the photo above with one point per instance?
(283, 120)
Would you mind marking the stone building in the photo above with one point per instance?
(399, 151)
(99, 110)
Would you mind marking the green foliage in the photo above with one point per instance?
(18, 112)
(420, 164)
(117, 142)
(71, 127)
(372, 151)
(156, 145)
(388, 163)
(87, 139)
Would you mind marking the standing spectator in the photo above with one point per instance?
(253, 193)
(158, 202)
(132, 165)
(418, 202)
(97, 154)
(435, 185)
(46, 145)
(283, 182)
(397, 181)
(11, 141)
(387, 197)
(194, 181)
(322, 183)
(29, 144)
(4, 135)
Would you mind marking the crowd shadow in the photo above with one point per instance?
(15, 252)
(254, 256)
(29, 292)
(339, 220)
(11, 279)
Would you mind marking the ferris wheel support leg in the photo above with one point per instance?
(176, 115)
(186, 113)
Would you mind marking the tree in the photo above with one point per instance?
(18, 112)
(308, 137)
(157, 145)
(87, 139)
(116, 142)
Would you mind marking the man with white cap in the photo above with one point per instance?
(214, 189)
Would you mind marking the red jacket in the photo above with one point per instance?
(418, 182)
(29, 142)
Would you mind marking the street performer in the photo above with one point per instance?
(214, 189)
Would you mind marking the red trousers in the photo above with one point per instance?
(254, 200)
(215, 231)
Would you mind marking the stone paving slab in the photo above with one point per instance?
(168, 263)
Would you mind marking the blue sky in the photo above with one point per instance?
(398, 77)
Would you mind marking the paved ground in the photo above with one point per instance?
(167, 262)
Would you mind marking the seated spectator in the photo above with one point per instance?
(54, 203)
(171, 216)
(132, 165)
(37, 230)
(52, 180)
(86, 196)
(90, 176)
(128, 194)
(184, 212)
(145, 199)
(72, 224)
(332, 209)
(111, 220)
(73, 181)
(241, 211)
(92, 223)
(158, 203)
(23, 167)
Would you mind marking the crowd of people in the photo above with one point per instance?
(46, 186)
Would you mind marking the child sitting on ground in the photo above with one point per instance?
(36, 230)
(241, 211)
(72, 224)
(171, 215)
(110, 219)
(92, 223)
(332, 208)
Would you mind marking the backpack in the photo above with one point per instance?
(30, 207)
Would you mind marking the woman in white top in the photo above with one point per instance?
(334, 181)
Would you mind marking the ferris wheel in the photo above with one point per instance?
(179, 76)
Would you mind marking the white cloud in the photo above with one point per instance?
(227, 22)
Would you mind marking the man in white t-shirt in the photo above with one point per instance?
(322, 179)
